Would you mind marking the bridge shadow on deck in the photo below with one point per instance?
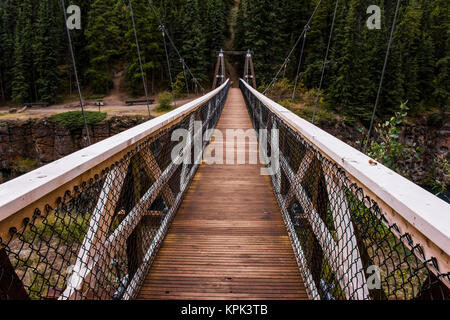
(228, 239)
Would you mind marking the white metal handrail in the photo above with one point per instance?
(25, 190)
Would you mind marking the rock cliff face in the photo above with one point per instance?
(434, 139)
(26, 145)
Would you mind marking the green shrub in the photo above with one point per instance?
(73, 120)
(390, 151)
(437, 179)
(179, 86)
(165, 101)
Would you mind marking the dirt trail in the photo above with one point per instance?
(231, 23)
(116, 96)
(230, 64)
(114, 105)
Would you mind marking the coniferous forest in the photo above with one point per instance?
(35, 62)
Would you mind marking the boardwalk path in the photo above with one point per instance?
(228, 240)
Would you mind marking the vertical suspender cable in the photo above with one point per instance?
(382, 76)
(285, 68)
(299, 63)
(325, 62)
(185, 76)
(144, 82)
(76, 73)
(163, 28)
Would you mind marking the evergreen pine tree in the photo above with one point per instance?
(103, 36)
(22, 77)
(194, 41)
(150, 42)
(48, 78)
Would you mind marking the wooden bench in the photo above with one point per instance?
(36, 104)
(132, 102)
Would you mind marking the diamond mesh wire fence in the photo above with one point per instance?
(99, 239)
(345, 246)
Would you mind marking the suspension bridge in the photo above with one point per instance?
(128, 218)
(121, 220)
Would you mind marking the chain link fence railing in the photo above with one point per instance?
(100, 238)
(345, 246)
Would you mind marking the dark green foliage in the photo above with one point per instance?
(390, 151)
(22, 80)
(418, 67)
(73, 120)
(150, 42)
(195, 39)
(35, 64)
(45, 56)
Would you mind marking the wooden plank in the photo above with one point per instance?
(228, 240)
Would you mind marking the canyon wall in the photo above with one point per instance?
(26, 145)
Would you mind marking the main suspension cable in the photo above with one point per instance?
(144, 82)
(325, 62)
(293, 48)
(300, 62)
(382, 76)
(174, 46)
(69, 38)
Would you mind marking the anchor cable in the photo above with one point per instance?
(300, 62)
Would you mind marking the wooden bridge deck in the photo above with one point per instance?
(228, 240)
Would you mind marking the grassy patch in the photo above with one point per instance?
(70, 229)
(73, 120)
(165, 102)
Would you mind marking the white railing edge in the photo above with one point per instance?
(18, 193)
(424, 211)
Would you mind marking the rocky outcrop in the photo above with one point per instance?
(44, 141)
(433, 139)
